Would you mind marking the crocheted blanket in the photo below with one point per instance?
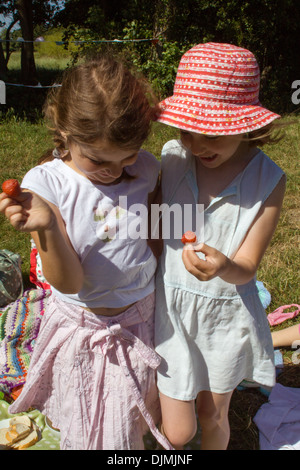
(19, 327)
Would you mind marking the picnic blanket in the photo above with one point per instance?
(19, 327)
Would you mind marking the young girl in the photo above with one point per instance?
(211, 329)
(93, 367)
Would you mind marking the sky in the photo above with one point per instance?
(7, 19)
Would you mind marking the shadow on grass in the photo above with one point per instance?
(25, 102)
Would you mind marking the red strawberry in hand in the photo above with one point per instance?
(11, 188)
(188, 237)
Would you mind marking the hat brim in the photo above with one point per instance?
(208, 117)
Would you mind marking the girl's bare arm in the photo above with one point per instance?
(242, 268)
(61, 265)
(30, 213)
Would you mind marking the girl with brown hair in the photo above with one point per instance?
(93, 367)
(211, 328)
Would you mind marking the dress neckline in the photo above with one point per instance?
(231, 187)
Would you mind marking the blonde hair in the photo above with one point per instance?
(101, 99)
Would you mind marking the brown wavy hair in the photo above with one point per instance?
(270, 134)
(101, 99)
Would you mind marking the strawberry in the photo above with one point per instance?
(11, 188)
(188, 237)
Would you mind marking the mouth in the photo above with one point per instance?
(105, 179)
(208, 159)
(100, 177)
(106, 176)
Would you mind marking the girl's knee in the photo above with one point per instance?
(209, 418)
(179, 423)
(178, 436)
(213, 409)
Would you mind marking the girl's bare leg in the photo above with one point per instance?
(179, 423)
(212, 411)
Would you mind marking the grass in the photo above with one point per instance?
(24, 138)
(279, 269)
(43, 62)
(25, 102)
(21, 143)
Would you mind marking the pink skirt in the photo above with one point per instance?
(94, 377)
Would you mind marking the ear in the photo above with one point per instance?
(64, 135)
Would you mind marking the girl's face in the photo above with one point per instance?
(101, 163)
(212, 151)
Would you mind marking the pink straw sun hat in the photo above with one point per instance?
(216, 92)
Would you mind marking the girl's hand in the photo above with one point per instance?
(27, 212)
(30, 213)
(215, 264)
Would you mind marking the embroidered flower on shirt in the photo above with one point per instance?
(108, 217)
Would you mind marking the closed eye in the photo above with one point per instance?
(95, 162)
(208, 137)
(126, 161)
(92, 160)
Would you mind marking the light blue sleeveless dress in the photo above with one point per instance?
(211, 335)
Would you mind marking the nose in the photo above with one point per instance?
(115, 169)
(197, 145)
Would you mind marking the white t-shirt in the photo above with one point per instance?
(107, 226)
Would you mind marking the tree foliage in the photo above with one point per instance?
(269, 28)
(28, 13)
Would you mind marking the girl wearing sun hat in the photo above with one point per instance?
(211, 328)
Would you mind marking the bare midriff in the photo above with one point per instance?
(108, 312)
